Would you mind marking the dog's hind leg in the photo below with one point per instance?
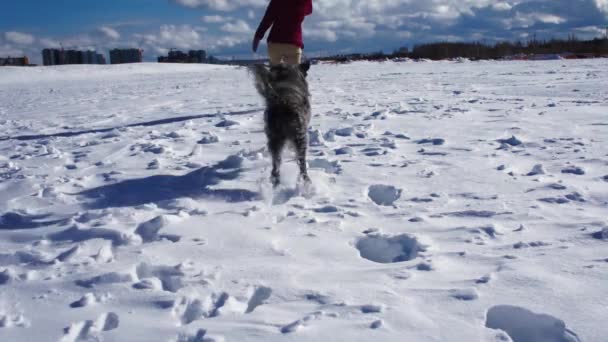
(275, 146)
(301, 143)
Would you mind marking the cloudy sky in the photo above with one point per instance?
(225, 27)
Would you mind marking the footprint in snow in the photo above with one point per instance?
(601, 235)
(377, 324)
(574, 197)
(465, 294)
(208, 138)
(283, 194)
(537, 170)
(148, 148)
(149, 230)
(574, 170)
(331, 167)
(199, 336)
(373, 151)
(523, 325)
(371, 308)
(484, 279)
(227, 123)
(12, 319)
(189, 310)
(389, 249)
(345, 132)
(165, 278)
(476, 213)
(77, 234)
(315, 138)
(510, 142)
(347, 151)
(91, 330)
(384, 195)
(303, 322)
(483, 234)
(434, 141)
(107, 279)
(532, 244)
(257, 296)
(89, 299)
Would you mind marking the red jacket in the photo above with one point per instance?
(285, 17)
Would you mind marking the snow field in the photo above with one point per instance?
(450, 202)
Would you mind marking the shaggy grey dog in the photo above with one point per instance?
(285, 89)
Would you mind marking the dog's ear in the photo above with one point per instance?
(304, 67)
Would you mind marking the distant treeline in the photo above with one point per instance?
(445, 50)
(573, 47)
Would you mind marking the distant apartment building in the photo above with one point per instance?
(60, 57)
(73, 57)
(122, 56)
(177, 56)
(197, 56)
(14, 61)
(52, 57)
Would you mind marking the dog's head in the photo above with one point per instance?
(276, 76)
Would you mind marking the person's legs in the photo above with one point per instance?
(286, 53)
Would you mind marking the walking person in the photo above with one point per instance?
(285, 41)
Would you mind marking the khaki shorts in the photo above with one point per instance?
(286, 53)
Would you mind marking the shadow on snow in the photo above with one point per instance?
(68, 134)
(21, 221)
(155, 189)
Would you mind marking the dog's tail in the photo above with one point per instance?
(262, 81)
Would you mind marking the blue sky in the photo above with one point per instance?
(225, 27)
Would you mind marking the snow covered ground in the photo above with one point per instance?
(452, 202)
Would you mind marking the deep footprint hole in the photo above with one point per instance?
(384, 195)
(389, 249)
(523, 325)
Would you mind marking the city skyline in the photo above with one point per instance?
(225, 27)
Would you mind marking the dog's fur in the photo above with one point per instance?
(285, 89)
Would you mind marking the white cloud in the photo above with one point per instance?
(214, 19)
(183, 37)
(404, 34)
(239, 26)
(591, 29)
(108, 32)
(322, 34)
(422, 18)
(501, 6)
(602, 5)
(221, 5)
(525, 20)
(550, 19)
(227, 42)
(19, 38)
(49, 43)
(9, 50)
(186, 37)
(336, 29)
